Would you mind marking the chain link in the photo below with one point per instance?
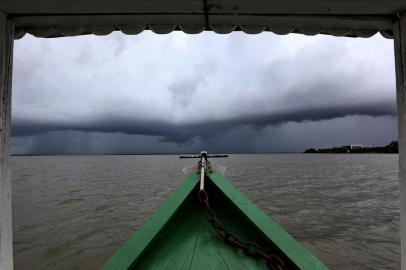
(273, 261)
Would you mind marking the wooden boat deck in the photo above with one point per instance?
(189, 242)
(179, 236)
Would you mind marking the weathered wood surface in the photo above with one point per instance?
(6, 53)
(339, 25)
(53, 18)
(355, 7)
(400, 62)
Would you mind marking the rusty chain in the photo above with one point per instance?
(273, 261)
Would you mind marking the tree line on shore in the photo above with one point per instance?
(391, 148)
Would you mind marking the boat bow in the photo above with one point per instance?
(179, 236)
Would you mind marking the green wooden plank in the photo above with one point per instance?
(178, 236)
(236, 259)
(188, 241)
(207, 255)
(175, 245)
(189, 228)
(283, 240)
(128, 254)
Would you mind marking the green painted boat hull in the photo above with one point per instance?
(178, 235)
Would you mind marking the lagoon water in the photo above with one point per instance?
(73, 212)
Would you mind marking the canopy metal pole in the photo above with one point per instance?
(6, 54)
(400, 62)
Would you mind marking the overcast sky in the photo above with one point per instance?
(176, 93)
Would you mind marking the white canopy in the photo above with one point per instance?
(54, 18)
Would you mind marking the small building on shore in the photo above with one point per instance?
(355, 146)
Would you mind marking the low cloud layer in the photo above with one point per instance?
(181, 93)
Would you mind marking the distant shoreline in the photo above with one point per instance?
(276, 153)
(391, 148)
(146, 154)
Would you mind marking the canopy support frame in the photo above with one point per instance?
(6, 55)
(400, 64)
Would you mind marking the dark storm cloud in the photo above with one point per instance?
(181, 93)
(291, 137)
(185, 132)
